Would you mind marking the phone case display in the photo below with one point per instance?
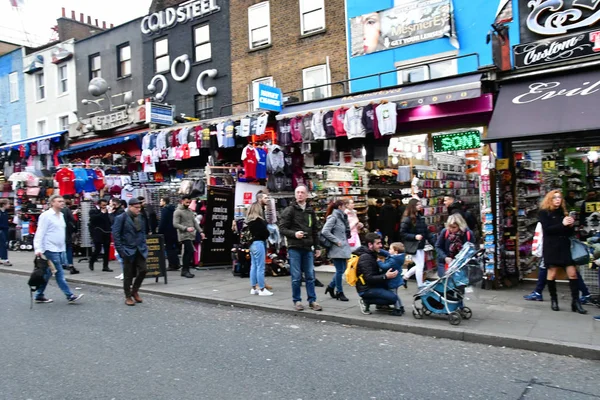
(487, 218)
(506, 224)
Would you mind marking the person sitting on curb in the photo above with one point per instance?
(372, 284)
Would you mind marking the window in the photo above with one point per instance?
(204, 106)
(253, 90)
(41, 127)
(202, 43)
(312, 16)
(161, 55)
(63, 83)
(63, 123)
(316, 76)
(124, 60)
(40, 86)
(259, 25)
(16, 133)
(95, 66)
(13, 80)
(433, 70)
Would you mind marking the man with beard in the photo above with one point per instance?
(184, 220)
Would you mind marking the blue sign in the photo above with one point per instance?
(160, 114)
(269, 98)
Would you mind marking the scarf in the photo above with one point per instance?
(136, 221)
(456, 241)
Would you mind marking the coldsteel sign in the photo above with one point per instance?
(170, 17)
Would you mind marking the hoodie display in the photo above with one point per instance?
(387, 118)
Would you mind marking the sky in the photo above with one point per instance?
(31, 24)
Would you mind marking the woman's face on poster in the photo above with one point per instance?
(371, 31)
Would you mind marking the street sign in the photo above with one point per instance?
(161, 114)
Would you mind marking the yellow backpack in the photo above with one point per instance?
(351, 270)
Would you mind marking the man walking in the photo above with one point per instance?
(118, 208)
(129, 234)
(184, 220)
(299, 225)
(100, 232)
(169, 232)
(50, 242)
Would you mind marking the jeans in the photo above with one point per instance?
(98, 246)
(69, 254)
(340, 268)
(382, 297)
(543, 276)
(188, 254)
(302, 262)
(58, 259)
(258, 254)
(3, 245)
(133, 266)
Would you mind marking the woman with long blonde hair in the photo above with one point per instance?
(558, 227)
(258, 249)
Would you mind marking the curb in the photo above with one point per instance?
(582, 351)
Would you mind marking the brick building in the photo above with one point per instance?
(291, 44)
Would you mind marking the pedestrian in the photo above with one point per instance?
(258, 248)
(100, 232)
(166, 228)
(184, 220)
(50, 242)
(148, 215)
(388, 216)
(558, 228)
(337, 231)
(355, 225)
(451, 241)
(298, 224)
(373, 214)
(129, 234)
(70, 231)
(117, 208)
(415, 235)
(536, 295)
(4, 233)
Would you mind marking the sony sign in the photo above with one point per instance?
(170, 17)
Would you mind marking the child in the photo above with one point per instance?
(394, 259)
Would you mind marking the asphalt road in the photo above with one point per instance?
(173, 349)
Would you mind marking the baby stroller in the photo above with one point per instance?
(445, 295)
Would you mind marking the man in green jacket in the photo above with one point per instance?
(184, 220)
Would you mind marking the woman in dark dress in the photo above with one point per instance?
(558, 227)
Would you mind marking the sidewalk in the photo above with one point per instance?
(500, 318)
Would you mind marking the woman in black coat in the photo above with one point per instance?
(557, 228)
(415, 234)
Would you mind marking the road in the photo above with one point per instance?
(174, 349)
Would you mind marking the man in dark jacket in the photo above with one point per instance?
(456, 206)
(71, 228)
(118, 208)
(100, 232)
(169, 232)
(298, 224)
(129, 233)
(149, 215)
(372, 282)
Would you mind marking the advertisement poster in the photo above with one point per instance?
(216, 248)
(413, 22)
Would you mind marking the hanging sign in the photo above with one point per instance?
(216, 248)
(269, 98)
(457, 141)
(155, 263)
(161, 114)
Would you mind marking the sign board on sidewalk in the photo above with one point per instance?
(216, 248)
(155, 263)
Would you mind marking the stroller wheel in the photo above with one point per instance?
(417, 313)
(454, 318)
(427, 312)
(466, 313)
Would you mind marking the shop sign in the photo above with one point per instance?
(185, 12)
(457, 141)
(110, 121)
(216, 248)
(269, 98)
(403, 25)
(502, 164)
(161, 114)
(543, 18)
(592, 207)
(156, 265)
(161, 94)
(557, 49)
(248, 198)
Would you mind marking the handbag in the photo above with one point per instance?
(580, 253)
(411, 247)
(324, 242)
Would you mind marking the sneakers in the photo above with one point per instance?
(119, 277)
(398, 312)
(41, 300)
(254, 291)
(298, 306)
(265, 292)
(6, 262)
(597, 318)
(534, 296)
(364, 308)
(74, 298)
(585, 299)
(315, 306)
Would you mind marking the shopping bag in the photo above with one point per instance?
(579, 252)
(538, 241)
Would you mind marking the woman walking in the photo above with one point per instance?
(337, 231)
(451, 241)
(414, 234)
(355, 225)
(557, 228)
(258, 248)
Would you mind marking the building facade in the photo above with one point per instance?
(187, 57)
(289, 44)
(13, 112)
(418, 40)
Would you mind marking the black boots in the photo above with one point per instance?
(331, 292)
(185, 272)
(341, 297)
(575, 304)
(553, 296)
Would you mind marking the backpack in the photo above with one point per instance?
(37, 278)
(351, 270)
(324, 242)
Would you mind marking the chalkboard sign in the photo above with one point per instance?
(216, 248)
(155, 263)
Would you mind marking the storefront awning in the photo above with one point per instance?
(96, 144)
(546, 106)
(33, 139)
(411, 96)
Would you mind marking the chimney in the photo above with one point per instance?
(81, 17)
(72, 14)
(97, 23)
(64, 12)
(103, 24)
(89, 20)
